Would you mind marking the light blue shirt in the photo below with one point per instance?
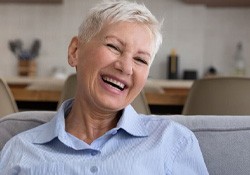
(139, 145)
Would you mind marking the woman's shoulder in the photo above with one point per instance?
(166, 125)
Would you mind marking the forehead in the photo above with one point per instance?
(130, 32)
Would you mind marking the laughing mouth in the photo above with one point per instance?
(114, 83)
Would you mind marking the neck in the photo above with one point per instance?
(88, 125)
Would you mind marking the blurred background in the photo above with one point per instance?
(203, 35)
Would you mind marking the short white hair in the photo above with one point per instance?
(111, 11)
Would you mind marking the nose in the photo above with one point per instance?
(125, 65)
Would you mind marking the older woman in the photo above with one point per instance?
(98, 131)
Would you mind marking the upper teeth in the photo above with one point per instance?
(121, 85)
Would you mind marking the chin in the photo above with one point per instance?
(112, 107)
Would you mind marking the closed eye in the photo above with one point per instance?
(141, 60)
(114, 47)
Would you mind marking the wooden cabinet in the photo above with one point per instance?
(221, 3)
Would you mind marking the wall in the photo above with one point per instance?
(202, 36)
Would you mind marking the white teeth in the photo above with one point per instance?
(117, 83)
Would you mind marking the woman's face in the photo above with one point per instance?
(113, 66)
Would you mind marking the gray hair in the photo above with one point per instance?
(114, 11)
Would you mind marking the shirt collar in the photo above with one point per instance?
(56, 126)
(130, 121)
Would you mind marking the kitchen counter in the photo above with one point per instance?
(167, 92)
(35, 89)
(43, 89)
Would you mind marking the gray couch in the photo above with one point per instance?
(224, 140)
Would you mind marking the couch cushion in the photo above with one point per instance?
(224, 141)
(13, 124)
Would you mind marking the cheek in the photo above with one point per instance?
(141, 77)
(98, 57)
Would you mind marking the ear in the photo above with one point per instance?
(73, 52)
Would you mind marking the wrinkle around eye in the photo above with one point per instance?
(113, 47)
(141, 60)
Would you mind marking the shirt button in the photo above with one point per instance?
(93, 169)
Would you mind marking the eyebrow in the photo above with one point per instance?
(113, 36)
(145, 53)
(123, 44)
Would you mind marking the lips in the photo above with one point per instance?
(114, 83)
